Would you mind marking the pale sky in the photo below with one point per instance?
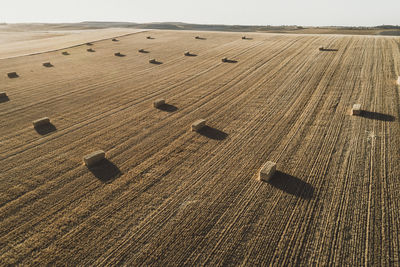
(241, 12)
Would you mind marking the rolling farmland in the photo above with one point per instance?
(171, 196)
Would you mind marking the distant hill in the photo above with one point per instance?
(393, 30)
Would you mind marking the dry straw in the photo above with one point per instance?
(94, 158)
(159, 102)
(41, 122)
(197, 125)
(356, 110)
(267, 171)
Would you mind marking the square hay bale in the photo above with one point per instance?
(197, 125)
(356, 110)
(267, 171)
(225, 59)
(153, 61)
(94, 158)
(118, 54)
(159, 102)
(41, 122)
(12, 75)
(3, 95)
(47, 65)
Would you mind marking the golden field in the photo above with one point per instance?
(170, 196)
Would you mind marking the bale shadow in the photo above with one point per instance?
(150, 38)
(90, 50)
(328, 49)
(4, 99)
(292, 185)
(143, 51)
(376, 116)
(89, 44)
(48, 65)
(156, 62)
(190, 55)
(115, 40)
(12, 75)
(119, 55)
(200, 38)
(247, 38)
(167, 108)
(229, 61)
(213, 133)
(65, 53)
(45, 129)
(105, 171)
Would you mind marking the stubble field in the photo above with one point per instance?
(170, 196)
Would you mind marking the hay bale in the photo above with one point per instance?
(3, 95)
(41, 122)
(142, 51)
(94, 158)
(159, 102)
(267, 171)
(356, 110)
(90, 50)
(197, 125)
(244, 37)
(115, 40)
(187, 53)
(149, 37)
(153, 61)
(321, 48)
(65, 53)
(12, 75)
(118, 54)
(47, 65)
(225, 59)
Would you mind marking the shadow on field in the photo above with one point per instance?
(4, 99)
(48, 65)
(105, 171)
(225, 60)
(156, 62)
(377, 116)
(292, 185)
(46, 129)
(168, 108)
(212, 133)
(328, 49)
(190, 54)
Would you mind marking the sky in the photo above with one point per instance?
(233, 12)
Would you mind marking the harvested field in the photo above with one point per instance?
(170, 196)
